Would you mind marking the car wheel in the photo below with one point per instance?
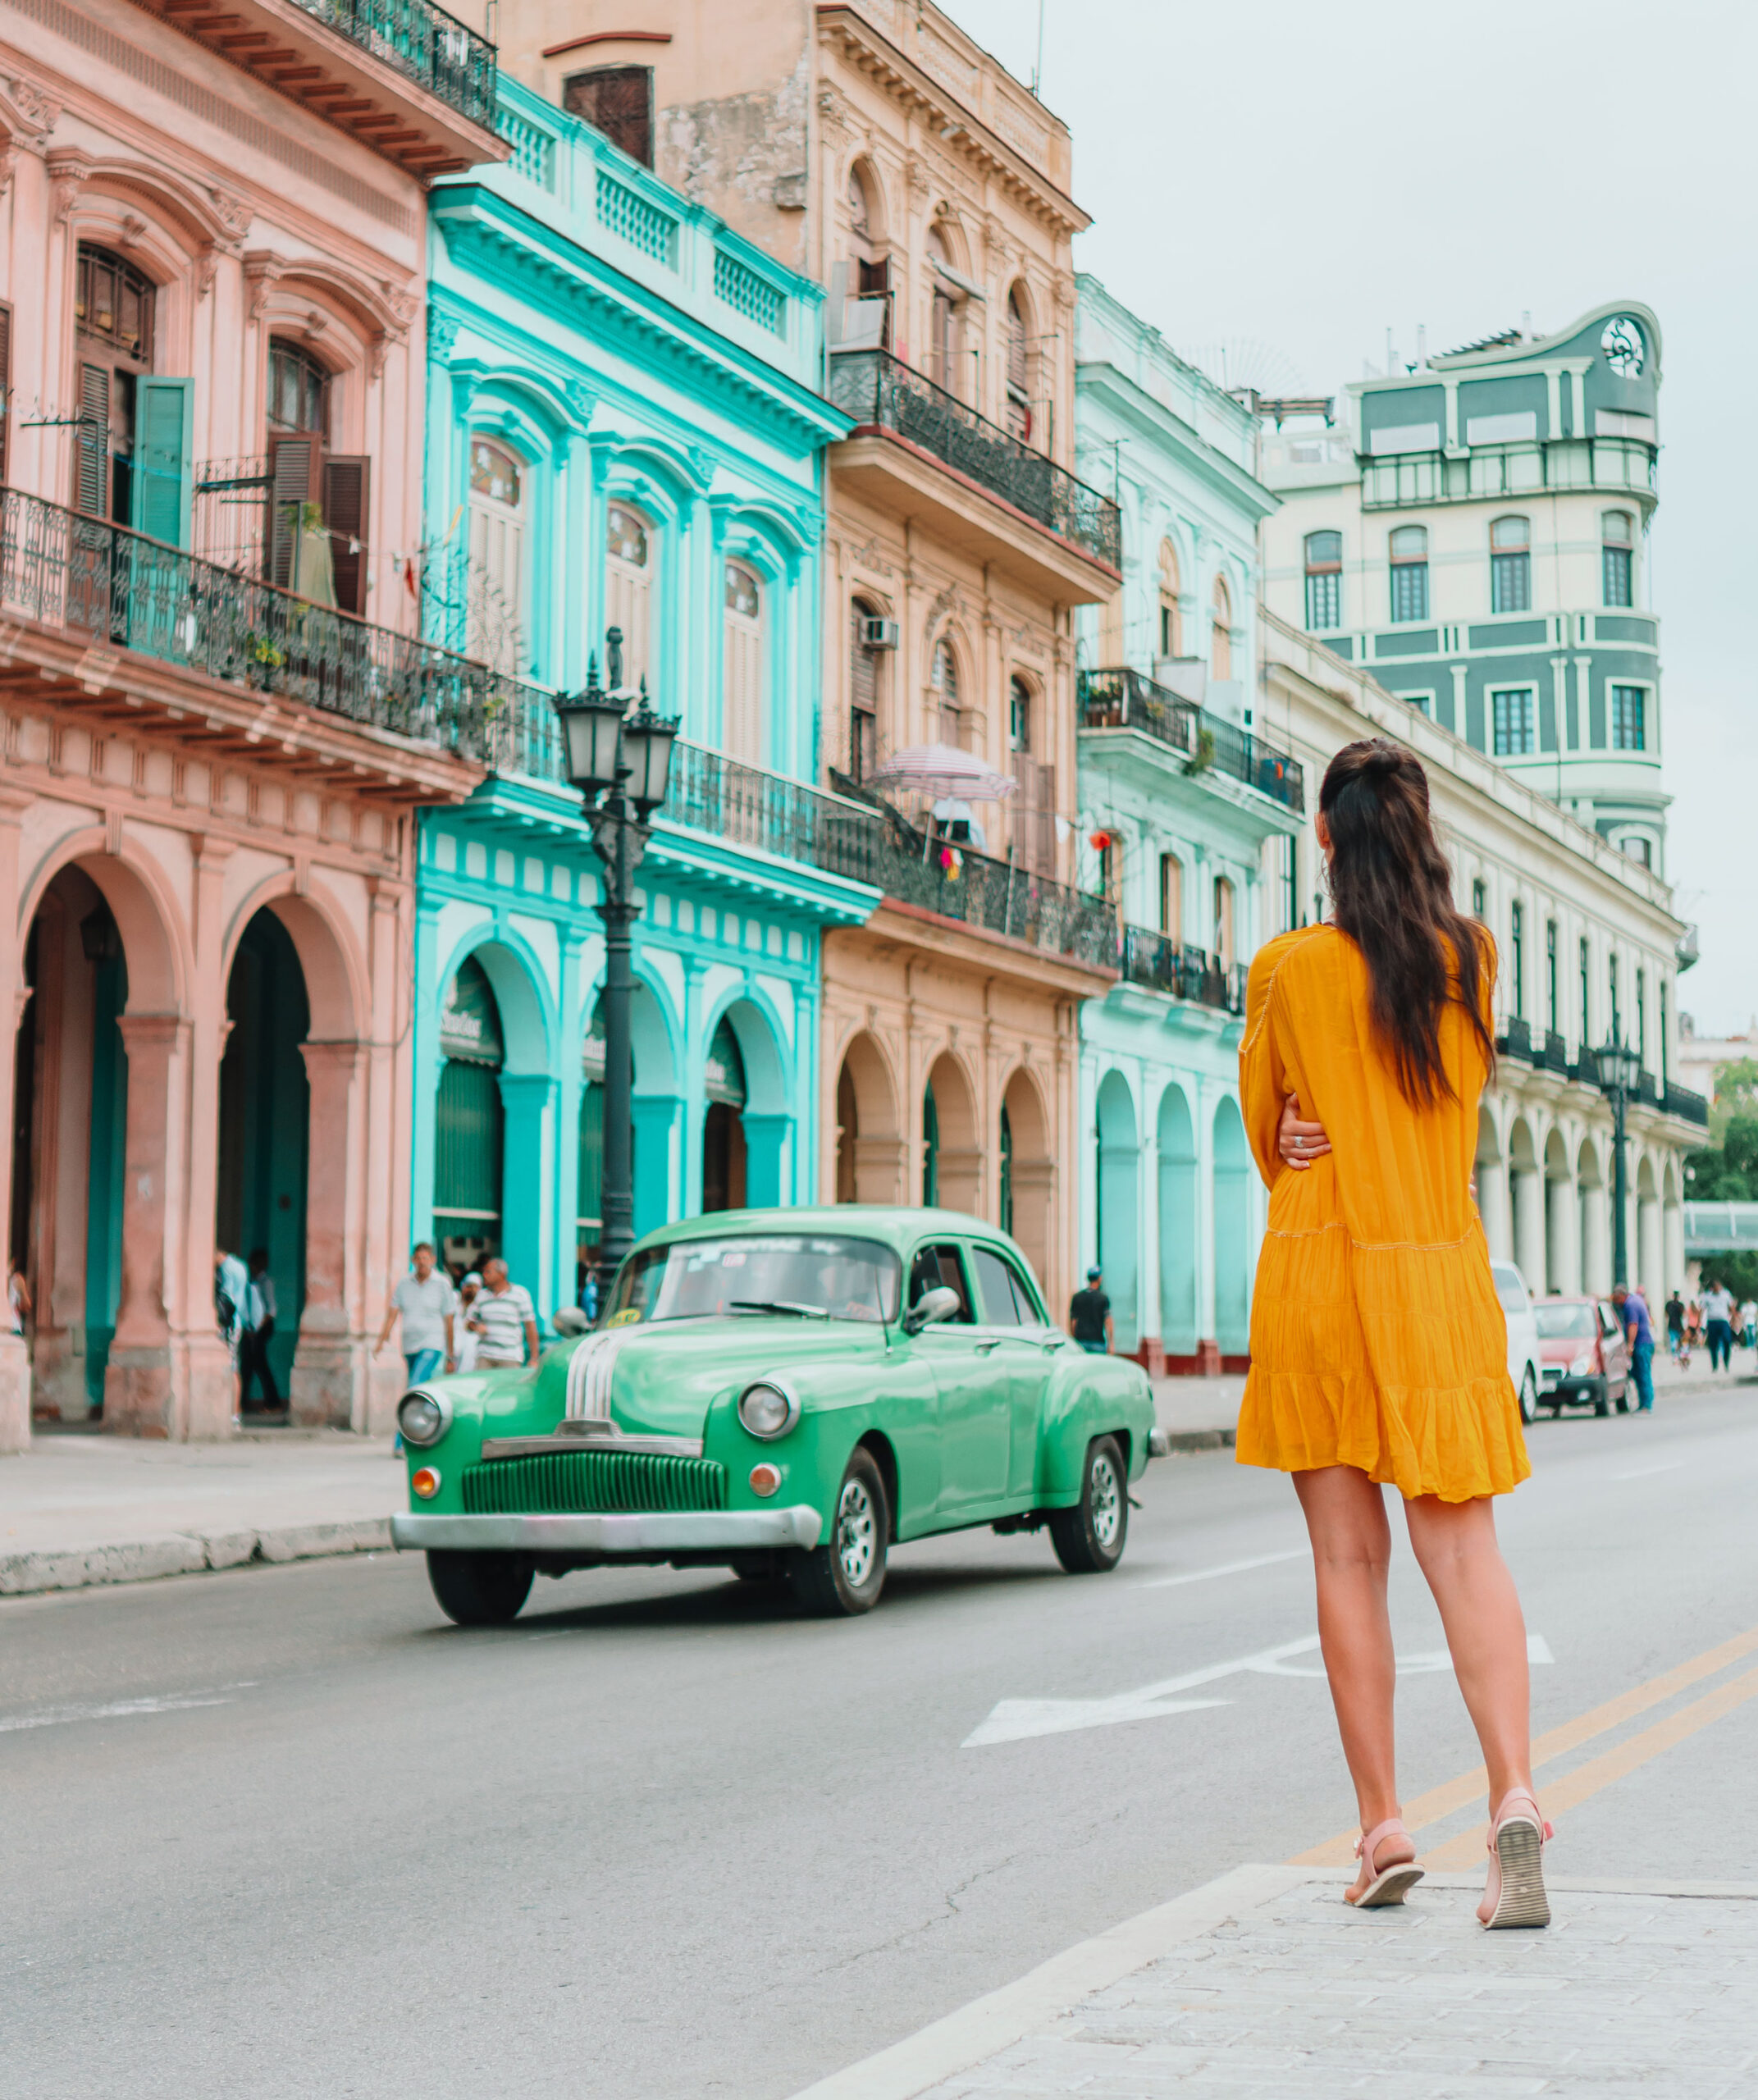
(1623, 1397)
(844, 1575)
(479, 1589)
(1528, 1396)
(1090, 1539)
(1602, 1399)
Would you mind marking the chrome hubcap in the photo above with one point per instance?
(1108, 1502)
(856, 1538)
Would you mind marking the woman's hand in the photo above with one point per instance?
(1299, 1143)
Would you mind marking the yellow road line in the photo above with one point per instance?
(1441, 1801)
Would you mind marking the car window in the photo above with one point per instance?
(995, 1289)
(1564, 1322)
(1510, 1290)
(1609, 1323)
(726, 1274)
(942, 1265)
(1031, 1312)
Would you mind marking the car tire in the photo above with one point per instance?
(1623, 1398)
(843, 1577)
(479, 1589)
(1602, 1399)
(1528, 1396)
(1090, 1537)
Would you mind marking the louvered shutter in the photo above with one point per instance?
(6, 382)
(295, 468)
(345, 491)
(741, 727)
(91, 491)
(160, 481)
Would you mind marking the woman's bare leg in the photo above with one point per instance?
(1455, 1543)
(1346, 1516)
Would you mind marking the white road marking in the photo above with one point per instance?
(1642, 1473)
(1537, 1650)
(1228, 1567)
(56, 1717)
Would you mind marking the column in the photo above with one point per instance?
(15, 1363)
(1564, 1235)
(1648, 1251)
(330, 1364)
(1529, 1228)
(139, 1395)
(211, 1392)
(767, 1139)
(656, 1118)
(1208, 1343)
(426, 994)
(570, 1085)
(1673, 1245)
(1148, 1238)
(390, 1063)
(1596, 1240)
(1493, 1208)
(526, 1239)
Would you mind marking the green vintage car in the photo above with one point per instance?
(788, 1393)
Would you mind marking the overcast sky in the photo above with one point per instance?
(1291, 181)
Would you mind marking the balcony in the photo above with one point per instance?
(101, 589)
(1163, 964)
(1004, 504)
(1555, 1054)
(1120, 698)
(1515, 1040)
(1491, 473)
(402, 77)
(1690, 1107)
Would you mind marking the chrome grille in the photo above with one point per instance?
(569, 1482)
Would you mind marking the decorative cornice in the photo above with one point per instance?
(262, 271)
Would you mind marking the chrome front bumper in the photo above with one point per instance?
(684, 1531)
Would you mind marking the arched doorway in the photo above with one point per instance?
(470, 1123)
(1119, 1172)
(724, 1158)
(1031, 1173)
(868, 1145)
(952, 1155)
(265, 1116)
(1178, 1225)
(1232, 1185)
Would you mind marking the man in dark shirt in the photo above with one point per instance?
(1675, 1323)
(1089, 1318)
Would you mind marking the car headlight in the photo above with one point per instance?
(767, 1409)
(423, 1418)
(1581, 1365)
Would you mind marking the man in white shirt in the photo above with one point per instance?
(504, 1319)
(1718, 1317)
(424, 1300)
(253, 1366)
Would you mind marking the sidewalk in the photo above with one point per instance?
(80, 1508)
(1265, 1982)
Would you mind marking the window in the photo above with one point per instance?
(1513, 714)
(1172, 896)
(1221, 631)
(497, 602)
(298, 389)
(1611, 986)
(1019, 715)
(1666, 1056)
(1616, 557)
(945, 318)
(1636, 847)
(940, 1269)
(1641, 1044)
(866, 325)
(1409, 568)
(1628, 719)
(1224, 922)
(1511, 565)
(1019, 339)
(619, 101)
(1479, 898)
(1108, 868)
(1324, 580)
(741, 715)
(113, 313)
(1552, 1020)
(1171, 635)
(628, 587)
(863, 695)
(1001, 1290)
(1517, 958)
(317, 500)
(1586, 1023)
(943, 677)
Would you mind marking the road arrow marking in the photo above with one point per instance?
(1537, 1650)
(1231, 1568)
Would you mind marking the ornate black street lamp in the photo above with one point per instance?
(1617, 1066)
(620, 761)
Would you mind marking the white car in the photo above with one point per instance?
(1524, 1353)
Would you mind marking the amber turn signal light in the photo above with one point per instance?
(764, 1479)
(425, 1480)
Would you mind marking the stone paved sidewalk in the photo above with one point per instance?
(1287, 1994)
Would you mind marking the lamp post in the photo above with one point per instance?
(620, 761)
(1616, 1066)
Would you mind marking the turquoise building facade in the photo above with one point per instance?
(623, 468)
(1186, 816)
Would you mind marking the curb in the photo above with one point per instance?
(184, 1553)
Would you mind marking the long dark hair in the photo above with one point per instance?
(1393, 893)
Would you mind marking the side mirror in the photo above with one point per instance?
(569, 1320)
(939, 1304)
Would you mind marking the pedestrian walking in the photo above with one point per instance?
(426, 1304)
(18, 1303)
(1378, 1347)
(1090, 1320)
(231, 1286)
(1747, 1323)
(464, 1334)
(503, 1319)
(1694, 1324)
(1675, 1323)
(253, 1366)
(1718, 1325)
(1632, 1310)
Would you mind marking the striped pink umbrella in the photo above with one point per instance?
(942, 769)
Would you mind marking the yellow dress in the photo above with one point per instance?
(1376, 1337)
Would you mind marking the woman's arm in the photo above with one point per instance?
(1298, 1142)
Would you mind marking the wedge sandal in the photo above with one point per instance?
(1514, 1896)
(1386, 1884)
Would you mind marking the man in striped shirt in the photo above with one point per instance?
(502, 1319)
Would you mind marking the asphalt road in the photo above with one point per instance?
(286, 1833)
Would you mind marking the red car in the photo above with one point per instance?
(1586, 1359)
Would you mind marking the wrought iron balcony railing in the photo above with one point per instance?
(1163, 965)
(880, 391)
(424, 43)
(1119, 698)
(1515, 1039)
(1693, 1107)
(1556, 1053)
(120, 589)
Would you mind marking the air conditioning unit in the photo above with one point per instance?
(878, 633)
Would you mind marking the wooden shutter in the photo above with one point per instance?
(295, 469)
(6, 382)
(345, 493)
(618, 100)
(91, 486)
(741, 726)
(160, 481)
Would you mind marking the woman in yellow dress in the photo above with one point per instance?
(1378, 1348)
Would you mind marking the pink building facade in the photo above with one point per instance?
(216, 723)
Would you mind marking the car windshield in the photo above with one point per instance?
(1565, 1323)
(819, 1275)
(1510, 1290)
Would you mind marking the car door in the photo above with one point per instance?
(1025, 1346)
(1615, 1347)
(974, 1423)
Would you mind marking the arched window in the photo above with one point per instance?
(945, 316)
(867, 321)
(496, 603)
(863, 692)
(1221, 631)
(1224, 930)
(1409, 551)
(944, 680)
(1171, 618)
(630, 549)
(298, 389)
(1324, 581)
(113, 314)
(1172, 896)
(724, 1150)
(741, 718)
(1618, 558)
(468, 1131)
(319, 553)
(1019, 715)
(1019, 339)
(1511, 565)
